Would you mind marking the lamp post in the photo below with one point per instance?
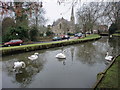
(16, 35)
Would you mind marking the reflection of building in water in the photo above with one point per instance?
(72, 52)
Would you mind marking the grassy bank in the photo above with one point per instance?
(39, 46)
(117, 35)
(111, 77)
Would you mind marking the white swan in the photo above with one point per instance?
(33, 57)
(61, 55)
(109, 58)
(18, 65)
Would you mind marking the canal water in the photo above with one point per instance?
(79, 69)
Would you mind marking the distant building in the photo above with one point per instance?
(103, 28)
(95, 31)
(62, 26)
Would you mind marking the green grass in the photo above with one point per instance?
(111, 78)
(118, 31)
(38, 44)
(117, 34)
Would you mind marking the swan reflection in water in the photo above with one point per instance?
(61, 56)
(22, 77)
(62, 60)
(26, 77)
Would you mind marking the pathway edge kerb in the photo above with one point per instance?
(40, 47)
(104, 72)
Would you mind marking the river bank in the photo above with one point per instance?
(110, 77)
(116, 35)
(39, 46)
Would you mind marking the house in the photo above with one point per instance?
(103, 28)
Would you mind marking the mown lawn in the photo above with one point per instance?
(117, 34)
(38, 44)
(111, 78)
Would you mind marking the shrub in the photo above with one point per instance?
(33, 33)
(112, 28)
(18, 32)
(49, 33)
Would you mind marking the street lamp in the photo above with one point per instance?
(16, 34)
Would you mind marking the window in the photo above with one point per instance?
(60, 25)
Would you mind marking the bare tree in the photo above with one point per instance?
(21, 10)
(38, 19)
(112, 11)
(89, 14)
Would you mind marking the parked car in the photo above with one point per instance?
(13, 42)
(88, 33)
(56, 38)
(64, 36)
(78, 35)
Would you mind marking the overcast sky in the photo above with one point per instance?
(55, 11)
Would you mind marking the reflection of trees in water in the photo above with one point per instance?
(115, 43)
(23, 78)
(110, 45)
(85, 53)
(27, 75)
(92, 52)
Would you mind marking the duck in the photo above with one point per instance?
(33, 57)
(109, 58)
(61, 55)
(18, 65)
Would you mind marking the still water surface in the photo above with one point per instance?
(79, 69)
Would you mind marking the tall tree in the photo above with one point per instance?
(21, 9)
(23, 13)
(6, 24)
(88, 15)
